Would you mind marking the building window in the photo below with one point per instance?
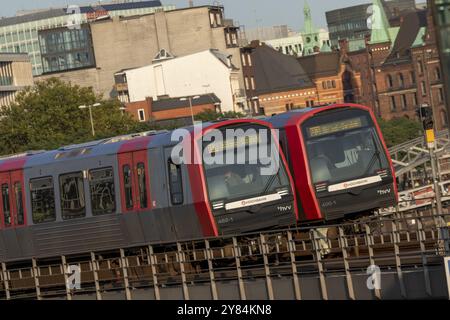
(389, 81)
(176, 183)
(101, 184)
(249, 58)
(66, 49)
(444, 119)
(141, 115)
(420, 66)
(6, 205)
(142, 185)
(413, 77)
(247, 84)
(441, 95)
(324, 84)
(404, 102)
(253, 83)
(329, 86)
(42, 200)
(72, 195)
(401, 80)
(19, 203)
(424, 88)
(333, 83)
(215, 18)
(244, 62)
(415, 99)
(128, 186)
(393, 105)
(437, 73)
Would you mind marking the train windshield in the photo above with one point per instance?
(343, 145)
(242, 166)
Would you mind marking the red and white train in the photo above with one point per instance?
(134, 190)
(338, 158)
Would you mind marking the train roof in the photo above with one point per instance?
(104, 147)
(295, 117)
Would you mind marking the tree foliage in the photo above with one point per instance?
(210, 115)
(48, 116)
(399, 130)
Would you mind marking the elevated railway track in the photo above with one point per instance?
(300, 263)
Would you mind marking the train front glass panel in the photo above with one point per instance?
(348, 164)
(252, 194)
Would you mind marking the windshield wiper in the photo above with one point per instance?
(270, 182)
(375, 156)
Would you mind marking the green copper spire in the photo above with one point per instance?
(308, 24)
(310, 35)
(379, 23)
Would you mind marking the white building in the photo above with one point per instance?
(293, 45)
(209, 71)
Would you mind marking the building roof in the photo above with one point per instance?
(321, 64)
(275, 72)
(380, 24)
(409, 35)
(183, 102)
(57, 12)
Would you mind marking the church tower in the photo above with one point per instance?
(310, 35)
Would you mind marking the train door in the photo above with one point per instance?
(12, 209)
(133, 172)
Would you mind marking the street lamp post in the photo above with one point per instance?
(190, 106)
(90, 115)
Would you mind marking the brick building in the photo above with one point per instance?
(275, 82)
(333, 76)
(400, 68)
(172, 108)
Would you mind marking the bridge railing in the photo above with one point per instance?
(302, 263)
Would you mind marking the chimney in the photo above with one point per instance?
(191, 3)
(149, 103)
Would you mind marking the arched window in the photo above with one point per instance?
(401, 80)
(389, 81)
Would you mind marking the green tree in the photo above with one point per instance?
(46, 116)
(209, 115)
(399, 130)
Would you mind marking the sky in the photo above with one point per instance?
(251, 13)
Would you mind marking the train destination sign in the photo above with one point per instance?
(334, 127)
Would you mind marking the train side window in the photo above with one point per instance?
(128, 186)
(142, 185)
(101, 184)
(42, 200)
(176, 183)
(6, 205)
(19, 203)
(73, 203)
